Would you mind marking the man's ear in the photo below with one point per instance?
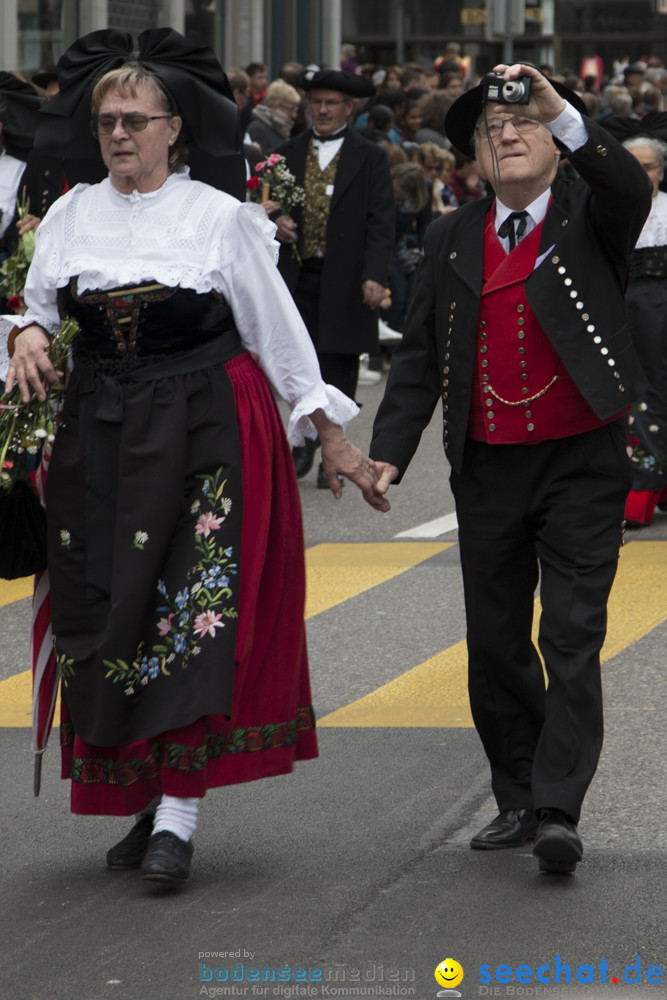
(480, 170)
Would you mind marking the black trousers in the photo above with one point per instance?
(550, 512)
(341, 370)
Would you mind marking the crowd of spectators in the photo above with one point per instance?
(406, 118)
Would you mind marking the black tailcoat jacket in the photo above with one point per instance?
(576, 291)
(360, 240)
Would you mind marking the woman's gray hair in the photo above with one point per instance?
(126, 80)
(657, 145)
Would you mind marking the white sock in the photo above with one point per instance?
(148, 810)
(176, 815)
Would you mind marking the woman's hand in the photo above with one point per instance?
(30, 366)
(27, 223)
(341, 457)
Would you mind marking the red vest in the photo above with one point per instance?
(522, 392)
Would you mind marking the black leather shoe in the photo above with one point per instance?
(511, 828)
(557, 843)
(129, 852)
(303, 457)
(323, 482)
(167, 858)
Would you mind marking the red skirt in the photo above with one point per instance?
(272, 722)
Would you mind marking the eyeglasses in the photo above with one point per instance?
(105, 124)
(493, 129)
(315, 102)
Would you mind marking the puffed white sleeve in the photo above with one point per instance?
(40, 297)
(270, 325)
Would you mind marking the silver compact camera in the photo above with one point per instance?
(497, 90)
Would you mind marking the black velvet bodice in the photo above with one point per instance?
(144, 320)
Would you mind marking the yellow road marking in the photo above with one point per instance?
(16, 691)
(434, 693)
(15, 590)
(335, 573)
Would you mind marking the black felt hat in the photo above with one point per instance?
(462, 117)
(45, 76)
(20, 104)
(337, 79)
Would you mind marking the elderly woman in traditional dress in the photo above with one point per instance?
(175, 548)
(646, 300)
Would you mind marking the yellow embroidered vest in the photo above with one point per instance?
(318, 202)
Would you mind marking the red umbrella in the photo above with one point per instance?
(45, 672)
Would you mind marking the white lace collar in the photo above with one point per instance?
(11, 171)
(172, 235)
(134, 197)
(654, 233)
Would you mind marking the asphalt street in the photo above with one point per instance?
(352, 877)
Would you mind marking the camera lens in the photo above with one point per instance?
(513, 92)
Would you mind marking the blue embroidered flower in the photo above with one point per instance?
(153, 667)
(180, 644)
(184, 619)
(211, 578)
(143, 667)
(162, 588)
(182, 598)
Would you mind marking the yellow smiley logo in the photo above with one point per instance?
(448, 973)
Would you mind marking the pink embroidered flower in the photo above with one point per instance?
(164, 625)
(206, 523)
(207, 622)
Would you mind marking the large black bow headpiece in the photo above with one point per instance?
(19, 104)
(191, 73)
(651, 126)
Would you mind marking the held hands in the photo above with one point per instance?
(30, 366)
(545, 104)
(386, 473)
(340, 456)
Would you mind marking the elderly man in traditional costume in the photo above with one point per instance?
(518, 325)
(344, 234)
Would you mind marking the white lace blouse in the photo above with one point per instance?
(11, 172)
(191, 235)
(654, 233)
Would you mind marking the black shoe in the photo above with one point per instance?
(557, 843)
(129, 852)
(511, 828)
(303, 457)
(323, 482)
(167, 858)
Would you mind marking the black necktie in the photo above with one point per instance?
(507, 228)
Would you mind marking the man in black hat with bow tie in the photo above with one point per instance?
(344, 233)
(518, 325)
